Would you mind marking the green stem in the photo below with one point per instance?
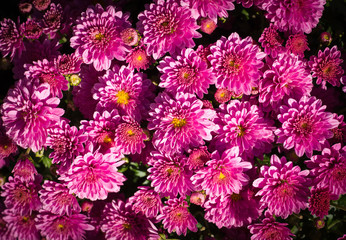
(338, 206)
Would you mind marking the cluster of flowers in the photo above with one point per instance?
(196, 151)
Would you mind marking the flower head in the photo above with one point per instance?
(147, 201)
(138, 58)
(25, 170)
(31, 29)
(68, 64)
(208, 25)
(52, 20)
(297, 44)
(11, 39)
(198, 157)
(271, 41)
(319, 202)
(222, 95)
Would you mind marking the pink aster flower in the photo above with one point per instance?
(319, 202)
(68, 64)
(271, 41)
(167, 27)
(242, 124)
(21, 226)
(179, 122)
(96, 36)
(284, 188)
(211, 9)
(54, 226)
(56, 199)
(66, 143)
(93, 175)
(138, 58)
(128, 92)
(31, 29)
(222, 95)
(232, 210)
(11, 39)
(329, 169)
(297, 44)
(305, 125)
(286, 78)
(187, 73)
(147, 201)
(223, 174)
(27, 112)
(120, 221)
(198, 157)
(169, 175)
(129, 136)
(176, 217)
(237, 63)
(198, 198)
(326, 67)
(129, 36)
(294, 16)
(25, 170)
(22, 197)
(52, 20)
(208, 25)
(269, 229)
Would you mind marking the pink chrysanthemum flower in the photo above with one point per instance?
(297, 44)
(22, 197)
(27, 112)
(242, 124)
(93, 175)
(294, 16)
(45, 72)
(41, 5)
(339, 131)
(21, 226)
(167, 27)
(96, 36)
(326, 67)
(129, 36)
(269, 229)
(128, 92)
(138, 58)
(121, 222)
(56, 199)
(198, 198)
(31, 29)
(198, 157)
(129, 136)
(147, 201)
(232, 210)
(82, 94)
(271, 41)
(169, 174)
(204, 52)
(284, 188)
(211, 9)
(7, 146)
(66, 143)
(54, 226)
(319, 202)
(286, 78)
(186, 73)
(25, 170)
(208, 25)
(305, 125)
(180, 122)
(237, 63)
(101, 129)
(52, 20)
(176, 217)
(223, 174)
(68, 64)
(11, 39)
(222, 95)
(329, 169)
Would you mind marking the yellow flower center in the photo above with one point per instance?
(139, 58)
(221, 176)
(99, 36)
(179, 122)
(241, 131)
(127, 226)
(123, 97)
(130, 132)
(107, 139)
(60, 226)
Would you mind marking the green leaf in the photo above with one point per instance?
(47, 162)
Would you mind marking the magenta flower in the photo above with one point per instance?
(286, 78)
(25, 170)
(222, 95)
(54, 226)
(319, 202)
(138, 58)
(271, 41)
(129, 136)
(31, 29)
(167, 27)
(237, 63)
(66, 143)
(305, 125)
(176, 217)
(329, 168)
(187, 73)
(269, 229)
(55, 198)
(179, 122)
(297, 44)
(326, 67)
(68, 64)
(284, 188)
(7, 146)
(22, 197)
(93, 175)
(128, 92)
(52, 20)
(147, 201)
(198, 157)
(294, 16)
(223, 174)
(169, 174)
(121, 222)
(11, 39)
(96, 36)
(243, 125)
(27, 112)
